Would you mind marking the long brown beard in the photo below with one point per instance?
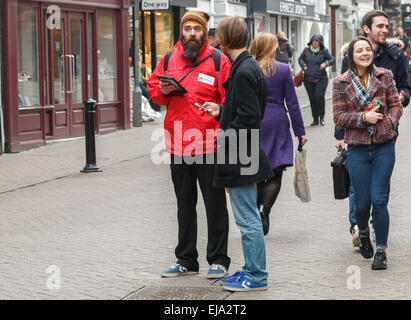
(190, 49)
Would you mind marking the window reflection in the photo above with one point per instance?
(28, 80)
(164, 33)
(107, 67)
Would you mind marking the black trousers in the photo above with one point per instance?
(185, 177)
(316, 94)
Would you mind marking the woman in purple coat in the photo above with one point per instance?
(275, 128)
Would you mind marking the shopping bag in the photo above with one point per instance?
(301, 185)
(341, 178)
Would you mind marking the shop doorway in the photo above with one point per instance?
(66, 76)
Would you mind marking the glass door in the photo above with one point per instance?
(66, 75)
(77, 72)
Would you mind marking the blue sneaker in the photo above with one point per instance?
(217, 271)
(176, 270)
(237, 275)
(244, 284)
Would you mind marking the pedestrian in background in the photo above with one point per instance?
(191, 165)
(314, 60)
(386, 55)
(284, 51)
(240, 118)
(275, 128)
(370, 120)
(212, 40)
(401, 35)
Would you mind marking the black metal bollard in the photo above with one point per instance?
(91, 165)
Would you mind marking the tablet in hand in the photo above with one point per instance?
(180, 89)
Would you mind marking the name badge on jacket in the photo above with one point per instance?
(206, 79)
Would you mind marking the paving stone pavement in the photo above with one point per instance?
(109, 234)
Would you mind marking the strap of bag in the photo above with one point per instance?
(305, 57)
(216, 58)
(195, 66)
(166, 59)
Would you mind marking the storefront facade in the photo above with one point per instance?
(56, 54)
(228, 8)
(287, 16)
(160, 30)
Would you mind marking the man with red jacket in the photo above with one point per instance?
(190, 139)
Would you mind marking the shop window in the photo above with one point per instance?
(260, 22)
(90, 55)
(146, 45)
(164, 33)
(273, 25)
(107, 66)
(284, 25)
(28, 77)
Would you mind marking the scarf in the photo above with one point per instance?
(362, 94)
(315, 50)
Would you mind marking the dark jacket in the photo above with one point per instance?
(389, 57)
(314, 61)
(284, 51)
(243, 110)
(406, 42)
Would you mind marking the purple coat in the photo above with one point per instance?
(275, 128)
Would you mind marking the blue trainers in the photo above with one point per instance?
(244, 284)
(217, 271)
(235, 277)
(176, 270)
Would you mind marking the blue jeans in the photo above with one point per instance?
(351, 197)
(370, 169)
(244, 203)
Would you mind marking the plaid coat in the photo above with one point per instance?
(348, 113)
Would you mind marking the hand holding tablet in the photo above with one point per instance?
(177, 89)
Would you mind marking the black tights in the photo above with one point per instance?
(267, 192)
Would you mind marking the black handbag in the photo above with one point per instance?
(341, 178)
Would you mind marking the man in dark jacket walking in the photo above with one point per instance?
(314, 60)
(375, 26)
(243, 162)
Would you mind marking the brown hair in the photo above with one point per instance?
(369, 17)
(263, 49)
(232, 33)
(281, 35)
(351, 64)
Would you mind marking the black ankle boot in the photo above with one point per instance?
(322, 122)
(366, 249)
(315, 122)
(265, 220)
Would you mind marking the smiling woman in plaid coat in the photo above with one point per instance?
(367, 105)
